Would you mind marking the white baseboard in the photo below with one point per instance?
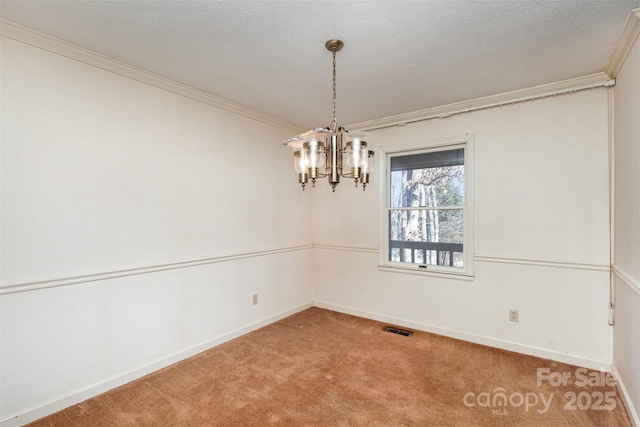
(477, 339)
(99, 388)
(631, 410)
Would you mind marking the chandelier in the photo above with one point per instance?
(320, 153)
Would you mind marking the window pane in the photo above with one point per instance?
(395, 254)
(430, 159)
(426, 236)
(427, 179)
(426, 225)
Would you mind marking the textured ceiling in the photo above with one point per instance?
(398, 56)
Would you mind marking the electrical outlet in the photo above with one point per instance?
(513, 315)
(255, 299)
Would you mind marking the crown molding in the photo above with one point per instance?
(25, 35)
(590, 81)
(630, 34)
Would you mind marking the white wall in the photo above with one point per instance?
(626, 262)
(180, 209)
(109, 183)
(541, 235)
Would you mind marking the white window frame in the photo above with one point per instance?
(386, 153)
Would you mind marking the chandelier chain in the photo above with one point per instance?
(335, 122)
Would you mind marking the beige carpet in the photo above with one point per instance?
(321, 368)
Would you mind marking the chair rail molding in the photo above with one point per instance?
(72, 280)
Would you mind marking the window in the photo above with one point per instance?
(427, 208)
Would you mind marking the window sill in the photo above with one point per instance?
(469, 277)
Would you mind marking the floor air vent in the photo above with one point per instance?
(397, 331)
